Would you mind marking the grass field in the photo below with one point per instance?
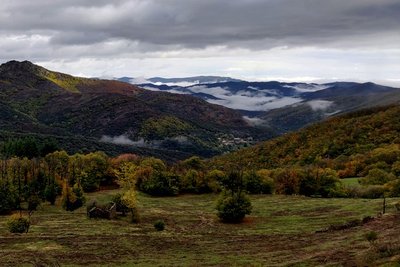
(351, 181)
(281, 231)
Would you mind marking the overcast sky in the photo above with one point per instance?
(301, 40)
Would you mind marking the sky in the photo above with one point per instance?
(286, 40)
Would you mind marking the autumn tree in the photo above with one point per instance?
(127, 176)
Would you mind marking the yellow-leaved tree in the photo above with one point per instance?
(126, 174)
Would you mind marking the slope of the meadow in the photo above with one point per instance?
(282, 231)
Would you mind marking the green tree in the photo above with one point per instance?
(233, 204)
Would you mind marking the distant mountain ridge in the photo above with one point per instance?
(177, 81)
(286, 106)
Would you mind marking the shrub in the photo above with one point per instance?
(159, 225)
(233, 207)
(18, 224)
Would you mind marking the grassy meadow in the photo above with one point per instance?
(281, 231)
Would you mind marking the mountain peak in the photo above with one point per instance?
(21, 66)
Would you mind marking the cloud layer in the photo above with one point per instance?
(127, 35)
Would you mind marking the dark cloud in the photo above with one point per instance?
(244, 38)
(257, 24)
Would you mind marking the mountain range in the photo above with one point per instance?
(212, 115)
(282, 106)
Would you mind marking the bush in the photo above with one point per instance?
(159, 225)
(232, 208)
(18, 224)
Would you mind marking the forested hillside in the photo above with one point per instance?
(336, 140)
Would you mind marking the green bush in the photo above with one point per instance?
(17, 224)
(159, 225)
(232, 208)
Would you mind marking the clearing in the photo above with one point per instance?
(281, 231)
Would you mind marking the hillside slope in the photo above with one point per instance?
(347, 135)
(35, 100)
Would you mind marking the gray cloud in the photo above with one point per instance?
(85, 32)
(196, 24)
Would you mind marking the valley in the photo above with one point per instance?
(174, 179)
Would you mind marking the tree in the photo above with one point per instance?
(233, 204)
(72, 198)
(127, 177)
(377, 177)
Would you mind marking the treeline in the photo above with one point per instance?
(28, 147)
(28, 181)
(23, 180)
